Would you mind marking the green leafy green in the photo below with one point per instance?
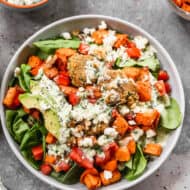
(70, 177)
(49, 45)
(15, 124)
(42, 55)
(138, 166)
(20, 128)
(24, 77)
(129, 164)
(171, 115)
(33, 137)
(27, 154)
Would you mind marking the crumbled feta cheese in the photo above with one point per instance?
(123, 109)
(76, 133)
(57, 149)
(86, 142)
(88, 39)
(81, 89)
(140, 42)
(44, 106)
(103, 140)
(137, 133)
(98, 112)
(109, 40)
(150, 51)
(17, 72)
(89, 153)
(107, 174)
(102, 25)
(132, 122)
(110, 131)
(150, 133)
(66, 35)
(88, 30)
(64, 134)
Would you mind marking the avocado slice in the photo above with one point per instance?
(51, 119)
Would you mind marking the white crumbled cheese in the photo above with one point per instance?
(98, 112)
(81, 89)
(102, 25)
(150, 51)
(88, 39)
(57, 149)
(17, 72)
(89, 153)
(110, 131)
(140, 42)
(65, 133)
(109, 40)
(132, 122)
(149, 140)
(88, 30)
(150, 133)
(137, 133)
(76, 133)
(107, 174)
(23, 2)
(112, 94)
(90, 71)
(66, 35)
(125, 141)
(123, 109)
(104, 140)
(86, 142)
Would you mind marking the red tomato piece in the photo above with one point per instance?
(84, 48)
(73, 99)
(77, 155)
(160, 86)
(100, 160)
(133, 52)
(37, 152)
(45, 169)
(62, 79)
(62, 166)
(163, 75)
(167, 87)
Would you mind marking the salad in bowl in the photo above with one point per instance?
(91, 105)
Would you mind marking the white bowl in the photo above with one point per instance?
(80, 22)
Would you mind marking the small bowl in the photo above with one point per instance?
(23, 8)
(178, 10)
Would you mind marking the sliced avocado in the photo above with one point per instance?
(151, 62)
(50, 117)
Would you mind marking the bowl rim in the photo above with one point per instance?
(178, 8)
(10, 140)
(12, 5)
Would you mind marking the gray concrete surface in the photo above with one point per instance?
(152, 15)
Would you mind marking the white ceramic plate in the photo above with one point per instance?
(80, 22)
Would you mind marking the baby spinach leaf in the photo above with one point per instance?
(33, 136)
(70, 177)
(20, 128)
(49, 45)
(129, 164)
(171, 115)
(42, 55)
(27, 154)
(10, 116)
(24, 77)
(138, 166)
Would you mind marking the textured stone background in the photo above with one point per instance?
(152, 15)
